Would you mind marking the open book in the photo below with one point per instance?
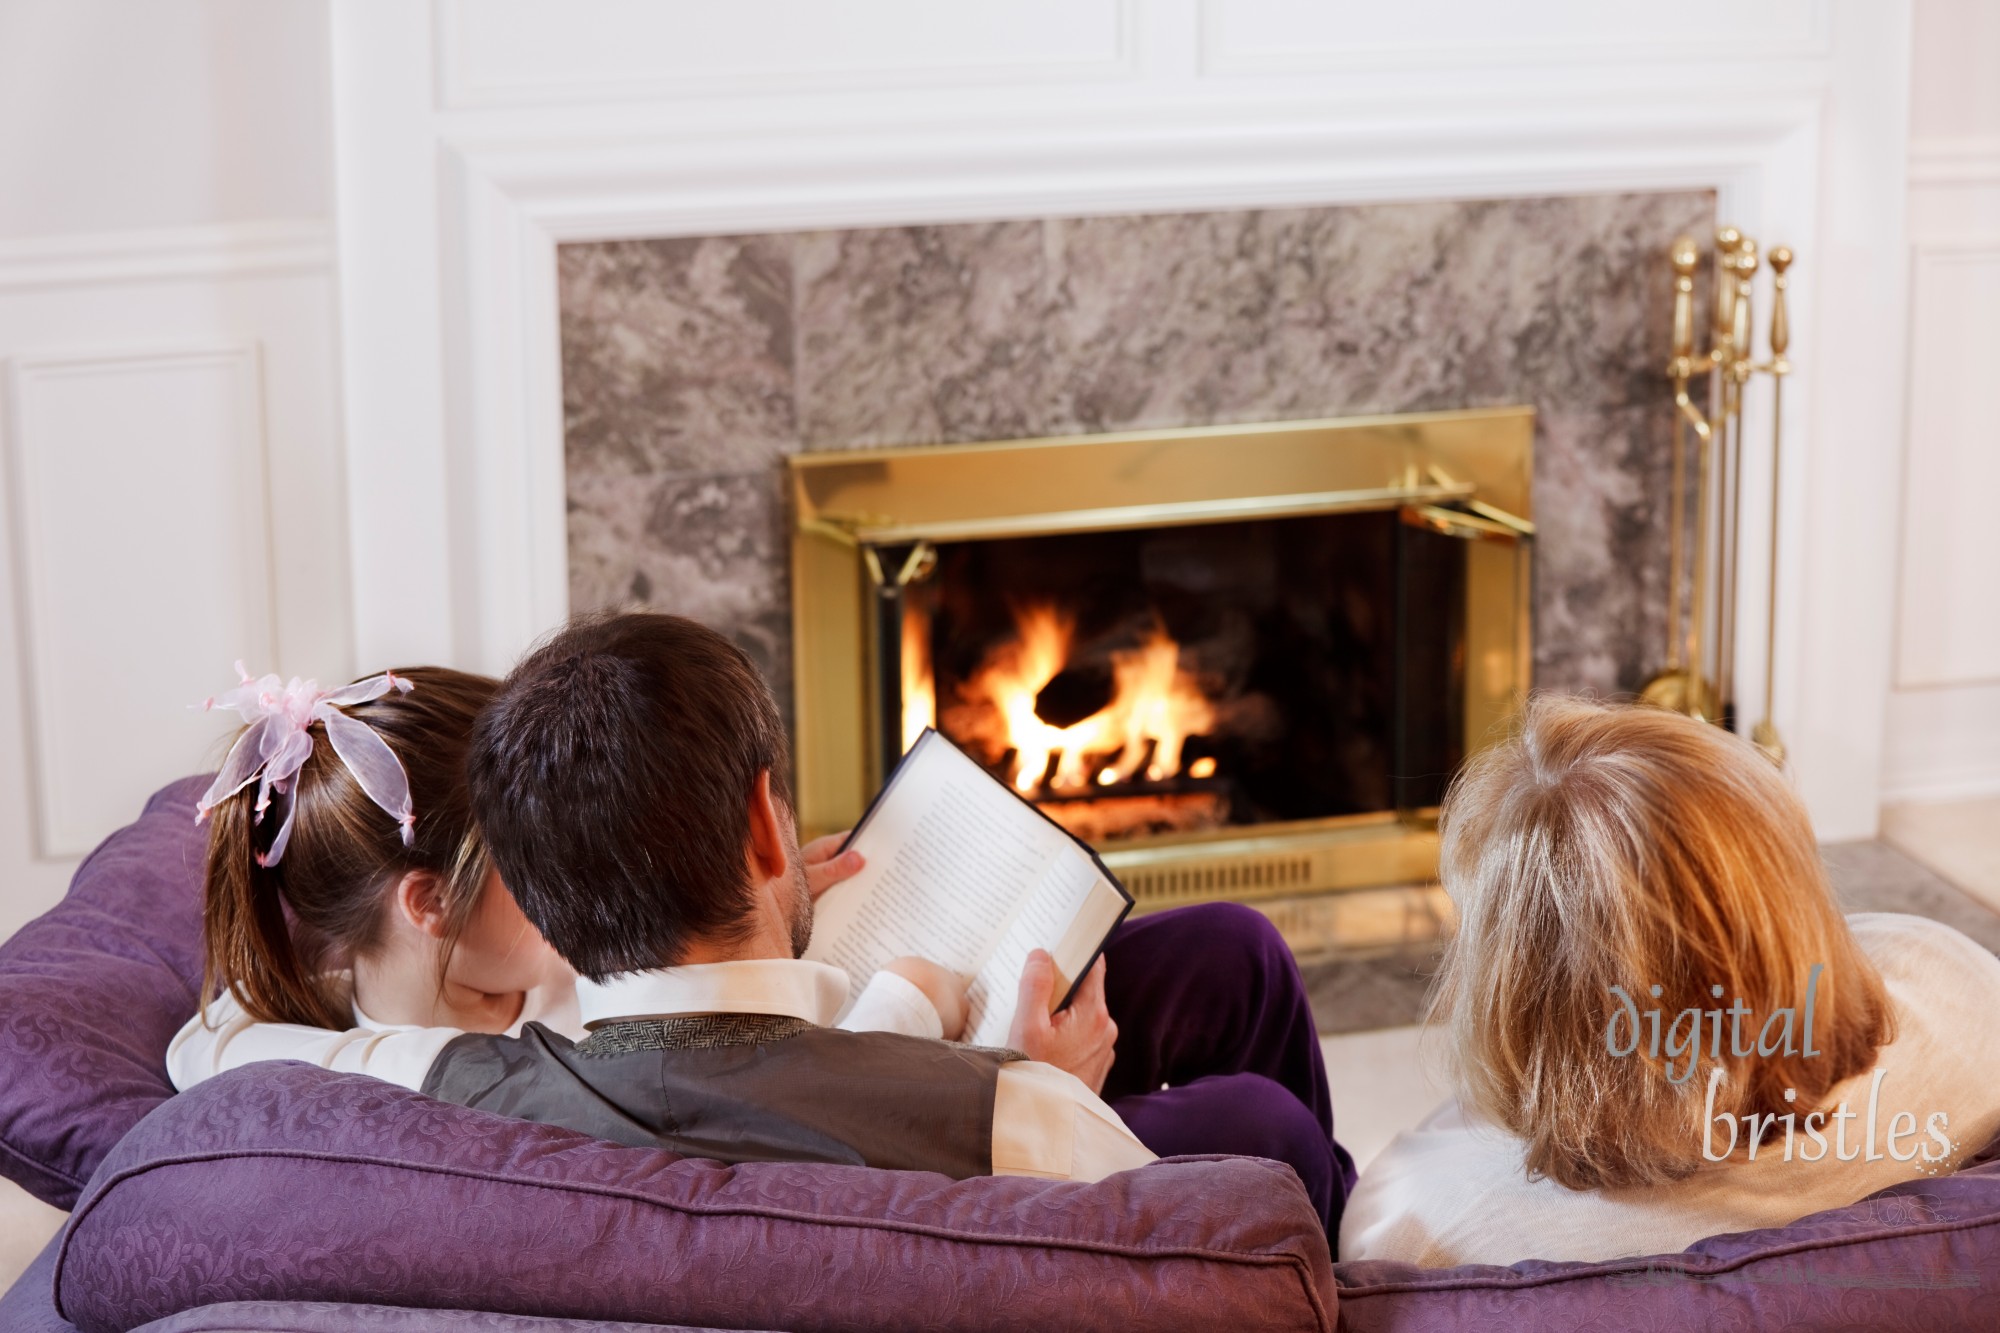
(962, 871)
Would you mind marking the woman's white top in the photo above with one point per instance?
(1454, 1190)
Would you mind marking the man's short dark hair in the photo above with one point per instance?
(612, 777)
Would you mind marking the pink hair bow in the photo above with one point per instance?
(278, 741)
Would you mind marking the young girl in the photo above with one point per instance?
(1661, 1025)
(347, 894)
(346, 811)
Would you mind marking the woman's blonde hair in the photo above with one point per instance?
(1608, 845)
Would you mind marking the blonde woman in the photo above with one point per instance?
(1660, 1026)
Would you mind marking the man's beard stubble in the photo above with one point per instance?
(801, 922)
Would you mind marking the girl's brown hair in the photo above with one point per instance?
(1624, 846)
(344, 859)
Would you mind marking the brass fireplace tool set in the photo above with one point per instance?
(1699, 678)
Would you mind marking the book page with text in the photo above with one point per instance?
(947, 870)
(1043, 919)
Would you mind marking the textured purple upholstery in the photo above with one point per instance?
(90, 993)
(321, 1317)
(288, 1182)
(29, 1305)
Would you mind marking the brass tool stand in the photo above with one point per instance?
(1699, 678)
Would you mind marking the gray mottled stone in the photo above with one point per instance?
(1601, 506)
(920, 335)
(677, 354)
(1203, 318)
(710, 547)
(719, 355)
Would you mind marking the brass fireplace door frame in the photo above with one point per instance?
(1466, 474)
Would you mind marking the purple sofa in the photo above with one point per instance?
(288, 1198)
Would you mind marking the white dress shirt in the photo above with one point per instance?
(402, 1053)
(1454, 1190)
(1046, 1123)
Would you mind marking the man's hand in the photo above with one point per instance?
(826, 865)
(943, 988)
(1080, 1038)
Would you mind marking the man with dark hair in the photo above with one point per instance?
(630, 781)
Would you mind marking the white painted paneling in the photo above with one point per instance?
(498, 52)
(143, 376)
(391, 352)
(1951, 553)
(142, 557)
(1850, 350)
(1944, 744)
(172, 493)
(1956, 93)
(91, 259)
(167, 113)
(1259, 36)
(1943, 736)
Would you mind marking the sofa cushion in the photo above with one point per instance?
(92, 990)
(1920, 1256)
(286, 1182)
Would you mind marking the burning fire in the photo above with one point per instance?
(1155, 707)
(919, 693)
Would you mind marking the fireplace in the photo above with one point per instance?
(1243, 661)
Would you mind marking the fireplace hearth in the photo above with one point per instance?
(1242, 661)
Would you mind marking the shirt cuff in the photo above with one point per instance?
(891, 1003)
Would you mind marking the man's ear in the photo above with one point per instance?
(415, 900)
(767, 851)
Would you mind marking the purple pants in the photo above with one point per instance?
(1217, 1050)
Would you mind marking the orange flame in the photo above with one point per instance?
(1155, 707)
(919, 691)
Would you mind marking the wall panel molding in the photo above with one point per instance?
(171, 497)
(1957, 160)
(229, 250)
(1248, 37)
(103, 537)
(1944, 744)
(495, 53)
(1951, 468)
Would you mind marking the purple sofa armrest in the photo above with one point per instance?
(285, 1182)
(92, 990)
(29, 1306)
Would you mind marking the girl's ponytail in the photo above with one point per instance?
(249, 949)
(376, 793)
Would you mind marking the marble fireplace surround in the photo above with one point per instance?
(691, 366)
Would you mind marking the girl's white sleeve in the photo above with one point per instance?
(227, 1038)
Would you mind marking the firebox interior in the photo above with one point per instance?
(1200, 677)
(1244, 661)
